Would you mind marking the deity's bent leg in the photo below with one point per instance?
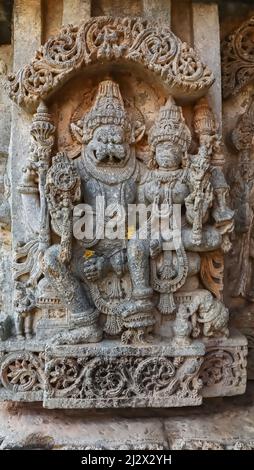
(138, 313)
(83, 318)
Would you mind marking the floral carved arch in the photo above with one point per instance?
(115, 40)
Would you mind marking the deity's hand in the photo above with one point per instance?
(155, 248)
(93, 268)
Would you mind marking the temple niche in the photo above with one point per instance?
(122, 217)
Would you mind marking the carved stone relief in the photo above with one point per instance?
(109, 39)
(238, 59)
(91, 295)
(242, 197)
(238, 77)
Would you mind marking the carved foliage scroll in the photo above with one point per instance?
(238, 59)
(109, 39)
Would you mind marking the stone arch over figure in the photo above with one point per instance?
(133, 43)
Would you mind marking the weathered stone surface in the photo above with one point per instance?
(73, 9)
(217, 424)
(228, 428)
(75, 431)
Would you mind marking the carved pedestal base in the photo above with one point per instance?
(249, 334)
(223, 371)
(112, 375)
(109, 374)
(22, 376)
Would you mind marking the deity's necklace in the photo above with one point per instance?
(168, 176)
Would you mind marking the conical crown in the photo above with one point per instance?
(204, 120)
(170, 126)
(107, 108)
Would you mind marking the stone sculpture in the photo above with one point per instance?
(92, 302)
(242, 195)
(237, 59)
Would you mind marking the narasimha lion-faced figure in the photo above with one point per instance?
(108, 174)
(125, 277)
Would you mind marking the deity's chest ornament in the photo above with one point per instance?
(127, 316)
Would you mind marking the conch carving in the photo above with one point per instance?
(134, 40)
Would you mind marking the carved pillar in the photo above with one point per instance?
(181, 21)
(158, 9)
(206, 33)
(238, 116)
(27, 37)
(75, 11)
(27, 29)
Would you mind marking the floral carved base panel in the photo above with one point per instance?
(109, 375)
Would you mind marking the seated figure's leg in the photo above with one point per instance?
(84, 317)
(138, 262)
(138, 313)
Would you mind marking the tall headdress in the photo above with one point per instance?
(170, 127)
(107, 108)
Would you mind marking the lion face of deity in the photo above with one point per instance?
(108, 146)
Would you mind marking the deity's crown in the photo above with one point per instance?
(107, 108)
(170, 126)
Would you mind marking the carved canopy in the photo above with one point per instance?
(106, 39)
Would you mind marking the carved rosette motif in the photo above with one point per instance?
(109, 39)
(224, 368)
(238, 59)
(22, 372)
